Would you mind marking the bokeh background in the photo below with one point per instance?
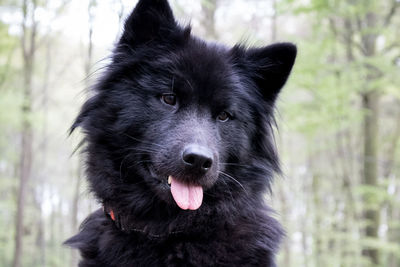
(338, 121)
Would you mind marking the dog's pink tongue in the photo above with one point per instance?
(186, 196)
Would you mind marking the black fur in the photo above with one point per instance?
(134, 141)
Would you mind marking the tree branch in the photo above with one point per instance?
(392, 11)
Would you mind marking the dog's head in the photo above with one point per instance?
(174, 117)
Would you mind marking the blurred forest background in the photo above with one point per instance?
(339, 121)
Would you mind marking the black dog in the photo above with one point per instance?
(180, 150)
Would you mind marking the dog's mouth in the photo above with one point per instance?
(186, 196)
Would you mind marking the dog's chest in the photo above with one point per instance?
(189, 251)
(219, 249)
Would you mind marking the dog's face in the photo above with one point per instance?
(174, 117)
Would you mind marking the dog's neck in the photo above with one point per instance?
(128, 225)
(167, 227)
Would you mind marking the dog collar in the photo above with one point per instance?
(123, 224)
(109, 212)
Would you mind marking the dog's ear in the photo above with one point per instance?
(151, 19)
(270, 67)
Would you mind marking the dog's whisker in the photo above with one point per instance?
(136, 163)
(233, 164)
(144, 150)
(139, 153)
(142, 141)
(233, 179)
(147, 149)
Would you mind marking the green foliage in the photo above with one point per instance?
(320, 92)
(322, 104)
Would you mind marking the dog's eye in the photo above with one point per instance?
(224, 116)
(169, 99)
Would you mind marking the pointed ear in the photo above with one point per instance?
(270, 67)
(148, 21)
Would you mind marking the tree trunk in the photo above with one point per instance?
(393, 209)
(40, 238)
(371, 215)
(25, 172)
(28, 41)
(370, 99)
(209, 7)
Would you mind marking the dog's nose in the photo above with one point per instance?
(198, 158)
